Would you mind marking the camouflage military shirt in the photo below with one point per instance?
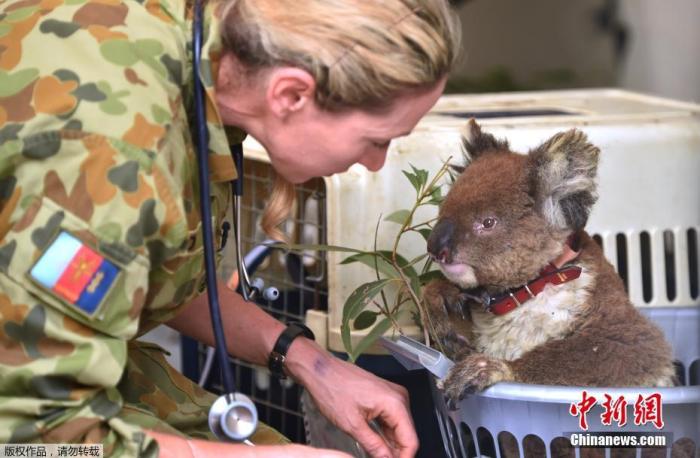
(95, 150)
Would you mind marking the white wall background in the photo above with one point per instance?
(534, 36)
(664, 57)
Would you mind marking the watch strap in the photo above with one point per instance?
(278, 356)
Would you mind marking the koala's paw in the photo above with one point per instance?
(474, 373)
(445, 304)
(443, 297)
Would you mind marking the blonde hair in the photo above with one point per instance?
(277, 208)
(361, 53)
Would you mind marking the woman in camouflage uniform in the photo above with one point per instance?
(96, 160)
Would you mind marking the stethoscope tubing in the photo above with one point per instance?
(202, 143)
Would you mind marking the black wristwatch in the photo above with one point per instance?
(279, 352)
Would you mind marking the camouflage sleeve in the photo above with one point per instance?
(83, 220)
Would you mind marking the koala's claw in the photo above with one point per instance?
(443, 297)
(472, 374)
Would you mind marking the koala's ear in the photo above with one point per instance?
(562, 179)
(476, 143)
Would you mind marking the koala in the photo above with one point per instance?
(514, 224)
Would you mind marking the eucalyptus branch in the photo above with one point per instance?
(425, 192)
(389, 315)
(376, 266)
(399, 304)
(427, 223)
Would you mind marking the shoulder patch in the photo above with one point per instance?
(75, 272)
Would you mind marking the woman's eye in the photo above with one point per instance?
(489, 223)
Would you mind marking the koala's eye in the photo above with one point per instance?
(489, 223)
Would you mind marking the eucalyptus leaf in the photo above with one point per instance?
(311, 247)
(417, 259)
(436, 196)
(361, 297)
(416, 286)
(401, 261)
(430, 276)
(415, 181)
(365, 319)
(425, 233)
(345, 335)
(371, 259)
(422, 176)
(399, 217)
(370, 338)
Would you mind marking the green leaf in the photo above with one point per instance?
(361, 297)
(418, 259)
(401, 261)
(399, 217)
(365, 319)
(415, 181)
(425, 233)
(369, 259)
(310, 247)
(430, 276)
(422, 176)
(370, 338)
(416, 286)
(345, 335)
(436, 196)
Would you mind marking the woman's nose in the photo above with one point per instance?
(374, 161)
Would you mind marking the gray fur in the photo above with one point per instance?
(562, 178)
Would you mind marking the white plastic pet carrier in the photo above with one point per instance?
(646, 219)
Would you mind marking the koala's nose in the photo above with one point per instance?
(440, 241)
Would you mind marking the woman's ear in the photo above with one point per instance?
(289, 90)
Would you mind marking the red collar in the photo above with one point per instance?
(554, 274)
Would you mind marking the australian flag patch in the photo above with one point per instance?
(73, 271)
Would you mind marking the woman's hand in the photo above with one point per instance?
(350, 397)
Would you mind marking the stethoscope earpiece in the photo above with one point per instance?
(271, 294)
(257, 287)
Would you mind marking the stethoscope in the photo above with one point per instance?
(233, 416)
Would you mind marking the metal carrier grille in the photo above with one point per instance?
(302, 283)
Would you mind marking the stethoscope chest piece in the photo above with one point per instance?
(233, 417)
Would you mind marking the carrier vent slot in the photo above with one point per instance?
(683, 447)
(621, 244)
(493, 114)
(561, 448)
(486, 445)
(534, 447)
(670, 264)
(453, 437)
(467, 440)
(508, 445)
(694, 373)
(647, 283)
(693, 262)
